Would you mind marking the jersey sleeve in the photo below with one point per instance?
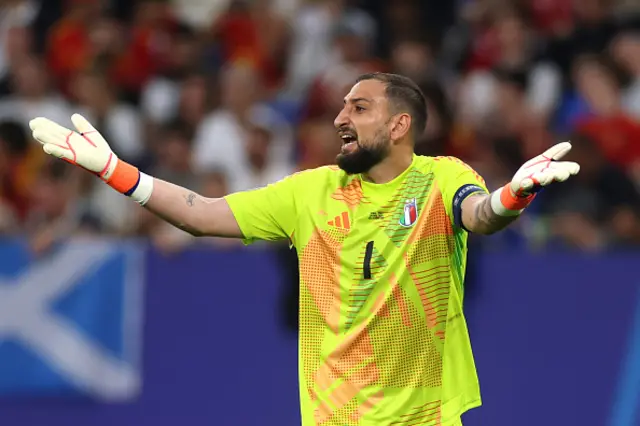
(268, 213)
(457, 180)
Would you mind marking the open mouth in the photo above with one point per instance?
(349, 143)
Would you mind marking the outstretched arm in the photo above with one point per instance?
(490, 213)
(479, 217)
(179, 206)
(193, 213)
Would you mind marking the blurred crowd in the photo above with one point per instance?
(228, 95)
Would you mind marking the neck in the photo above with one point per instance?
(391, 167)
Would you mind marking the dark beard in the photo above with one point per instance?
(364, 158)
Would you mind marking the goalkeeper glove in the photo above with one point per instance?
(87, 148)
(535, 174)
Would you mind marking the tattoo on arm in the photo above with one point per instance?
(191, 198)
(484, 220)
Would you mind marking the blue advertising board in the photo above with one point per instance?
(555, 337)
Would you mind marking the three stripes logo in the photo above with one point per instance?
(341, 222)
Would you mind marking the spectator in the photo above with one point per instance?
(255, 33)
(19, 163)
(69, 49)
(603, 118)
(53, 215)
(120, 123)
(352, 57)
(319, 144)
(32, 95)
(210, 96)
(16, 46)
(173, 156)
(160, 96)
(415, 59)
(221, 139)
(195, 101)
(515, 52)
(625, 50)
(600, 207)
(591, 32)
(146, 48)
(312, 41)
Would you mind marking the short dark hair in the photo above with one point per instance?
(403, 94)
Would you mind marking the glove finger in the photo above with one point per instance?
(54, 136)
(38, 122)
(526, 184)
(47, 131)
(544, 177)
(58, 151)
(82, 124)
(42, 123)
(558, 151)
(560, 175)
(572, 167)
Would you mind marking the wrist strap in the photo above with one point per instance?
(504, 203)
(128, 180)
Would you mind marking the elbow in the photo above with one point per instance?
(196, 233)
(191, 229)
(480, 228)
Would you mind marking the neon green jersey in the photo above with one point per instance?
(383, 339)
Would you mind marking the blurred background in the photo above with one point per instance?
(109, 316)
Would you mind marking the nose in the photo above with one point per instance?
(342, 119)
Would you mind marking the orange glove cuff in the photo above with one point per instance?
(125, 178)
(513, 202)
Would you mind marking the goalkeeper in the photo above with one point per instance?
(382, 242)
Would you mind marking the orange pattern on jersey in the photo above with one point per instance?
(400, 301)
(421, 360)
(351, 194)
(343, 397)
(320, 270)
(427, 414)
(353, 361)
(434, 220)
(397, 299)
(319, 298)
(432, 283)
(352, 353)
(367, 405)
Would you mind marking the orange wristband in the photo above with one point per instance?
(125, 178)
(513, 202)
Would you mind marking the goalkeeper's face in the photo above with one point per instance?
(363, 127)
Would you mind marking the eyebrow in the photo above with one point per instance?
(355, 100)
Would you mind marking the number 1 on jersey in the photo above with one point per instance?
(367, 261)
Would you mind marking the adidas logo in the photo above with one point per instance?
(341, 222)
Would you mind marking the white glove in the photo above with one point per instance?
(87, 148)
(531, 178)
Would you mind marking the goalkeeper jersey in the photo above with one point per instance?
(383, 339)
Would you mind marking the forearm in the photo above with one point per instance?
(482, 219)
(489, 213)
(182, 208)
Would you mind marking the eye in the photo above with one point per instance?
(359, 108)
